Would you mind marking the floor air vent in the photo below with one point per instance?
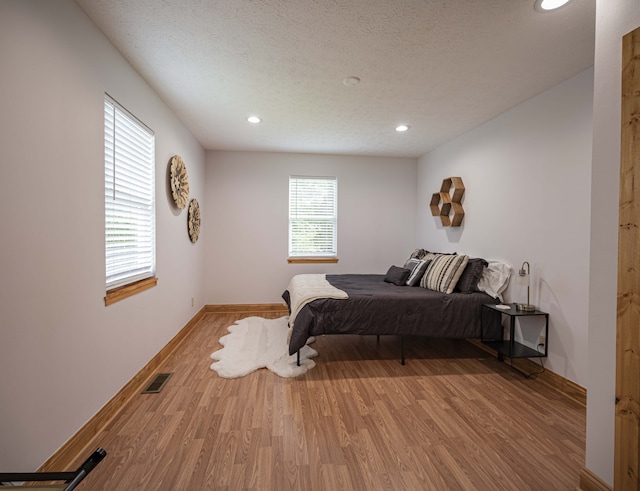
(157, 384)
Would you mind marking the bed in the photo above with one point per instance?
(374, 305)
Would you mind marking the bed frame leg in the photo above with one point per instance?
(402, 349)
(298, 360)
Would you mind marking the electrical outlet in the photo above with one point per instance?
(193, 302)
(542, 340)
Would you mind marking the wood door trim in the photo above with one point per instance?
(627, 411)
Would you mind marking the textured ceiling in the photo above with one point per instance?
(441, 66)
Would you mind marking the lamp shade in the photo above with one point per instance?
(524, 279)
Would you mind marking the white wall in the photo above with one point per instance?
(63, 354)
(614, 19)
(527, 180)
(247, 222)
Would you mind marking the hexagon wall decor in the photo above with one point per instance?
(447, 204)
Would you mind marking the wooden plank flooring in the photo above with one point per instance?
(452, 418)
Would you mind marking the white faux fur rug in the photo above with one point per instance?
(255, 343)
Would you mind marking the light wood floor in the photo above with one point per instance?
(452, 418)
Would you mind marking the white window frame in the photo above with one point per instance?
(130, 232)
(303, 192)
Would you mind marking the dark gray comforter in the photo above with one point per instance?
(377, 307)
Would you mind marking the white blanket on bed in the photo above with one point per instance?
(305, 288)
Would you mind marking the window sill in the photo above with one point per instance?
(312, 260)
(129, 290)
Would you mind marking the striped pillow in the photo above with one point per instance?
(411, 263)
(444, 272)
(418, 272)
(418, 254)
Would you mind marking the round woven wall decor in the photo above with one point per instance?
(194, 220)
(179, 182)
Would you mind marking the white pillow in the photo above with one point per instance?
(494, 279)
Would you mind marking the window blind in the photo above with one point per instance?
(129, 197)
(313, 217)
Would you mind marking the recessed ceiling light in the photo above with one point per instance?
(402, 127)
(350, 81)
(254, 119)
(549, 5)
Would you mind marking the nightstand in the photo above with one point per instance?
(511, 348)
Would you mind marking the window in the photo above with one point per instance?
(129, 184)
(313, 218)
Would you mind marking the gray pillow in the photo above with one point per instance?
(469, 278)
(397, 276)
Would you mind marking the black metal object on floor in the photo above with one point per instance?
(70, 479)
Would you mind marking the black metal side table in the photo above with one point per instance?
(510, 347)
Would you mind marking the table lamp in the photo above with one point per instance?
(524, 276)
